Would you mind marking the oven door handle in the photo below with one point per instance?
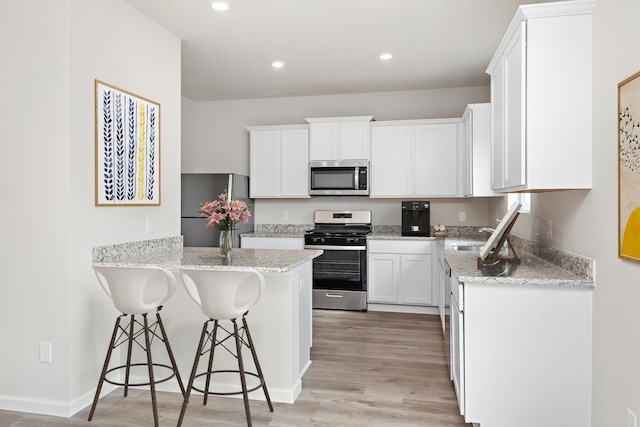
(336, 248)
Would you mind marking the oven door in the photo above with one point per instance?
(340, 278)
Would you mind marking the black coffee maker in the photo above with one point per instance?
(415, 219)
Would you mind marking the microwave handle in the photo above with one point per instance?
(357, 178)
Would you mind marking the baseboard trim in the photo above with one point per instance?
(397, 308)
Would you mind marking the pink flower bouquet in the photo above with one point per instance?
(224, 213)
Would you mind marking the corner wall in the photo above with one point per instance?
(49, 292)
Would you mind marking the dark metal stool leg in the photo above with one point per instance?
(210, 366)
(174, 365)
(192, 377)
(152, 385)
(257, 363)
(243, 380)
(130, 345)
(104, 368)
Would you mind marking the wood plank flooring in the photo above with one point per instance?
(369, 369)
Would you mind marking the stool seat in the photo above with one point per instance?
(216, 292)
(129, 289)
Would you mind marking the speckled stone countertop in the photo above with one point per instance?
(531, 270)
(173, 256)
(395, 236)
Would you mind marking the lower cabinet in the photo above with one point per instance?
(253, 242)
(521, 349)
(399, 272)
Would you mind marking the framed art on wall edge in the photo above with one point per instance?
(629, 168)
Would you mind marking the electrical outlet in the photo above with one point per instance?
(549, 229)
(462, 216)
(149, 224)
(45, 352)
(631, 419)
(536, 228)
(285, 215)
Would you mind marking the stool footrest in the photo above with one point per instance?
(130, 384)
(229, 393)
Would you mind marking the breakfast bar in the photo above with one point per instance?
(281, 321)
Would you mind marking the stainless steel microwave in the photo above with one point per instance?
(345, 178)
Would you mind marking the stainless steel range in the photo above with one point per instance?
(340, 273)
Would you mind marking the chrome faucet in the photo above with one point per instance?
(486, 230)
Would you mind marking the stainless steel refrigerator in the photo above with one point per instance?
(199, 188)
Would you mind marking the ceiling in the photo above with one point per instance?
(331, 46)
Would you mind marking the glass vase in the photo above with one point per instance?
(225, 243)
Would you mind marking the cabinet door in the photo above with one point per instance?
(457, 353)
(435, 161)
(391, 166)
(466, 134)
(415, 280)
(265, 163)
(497, 127)
(294, 152)
(514, 95)
(323, 141)
(383, 277)
(354, 141)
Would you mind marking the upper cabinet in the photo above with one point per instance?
(279, 165)
(415, 158)
(541, 99)
(339, 138)
(475, 133)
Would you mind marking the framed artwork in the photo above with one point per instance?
(127, 158)
(629, 168)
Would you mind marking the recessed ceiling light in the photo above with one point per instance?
(220, 5)
(277, 64)
(386, 56)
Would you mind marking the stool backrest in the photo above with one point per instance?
(215, 290)
(126, 286)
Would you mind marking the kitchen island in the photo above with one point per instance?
(280, 323)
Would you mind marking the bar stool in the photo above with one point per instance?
(215, 292)
(126, 287)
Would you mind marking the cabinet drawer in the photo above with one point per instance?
(421, 247)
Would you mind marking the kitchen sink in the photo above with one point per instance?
(467, 247)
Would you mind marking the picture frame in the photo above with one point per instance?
(629, 168)
(127, 148)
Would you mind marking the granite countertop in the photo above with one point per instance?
(280, 234)
(377, 235)
(263, 260)
(531, 270)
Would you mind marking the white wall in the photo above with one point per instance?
(49, 292)
(220, 142)
(593, 222)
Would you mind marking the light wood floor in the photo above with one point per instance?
(369, 369)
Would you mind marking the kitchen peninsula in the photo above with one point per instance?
(280, 322)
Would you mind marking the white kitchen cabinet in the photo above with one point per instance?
(278, 161)
(339, 138)
(541, 97)
(476, 142)
(514, 344)
(416, 158)
(456, 341)
(259, 242)
(399, 272)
